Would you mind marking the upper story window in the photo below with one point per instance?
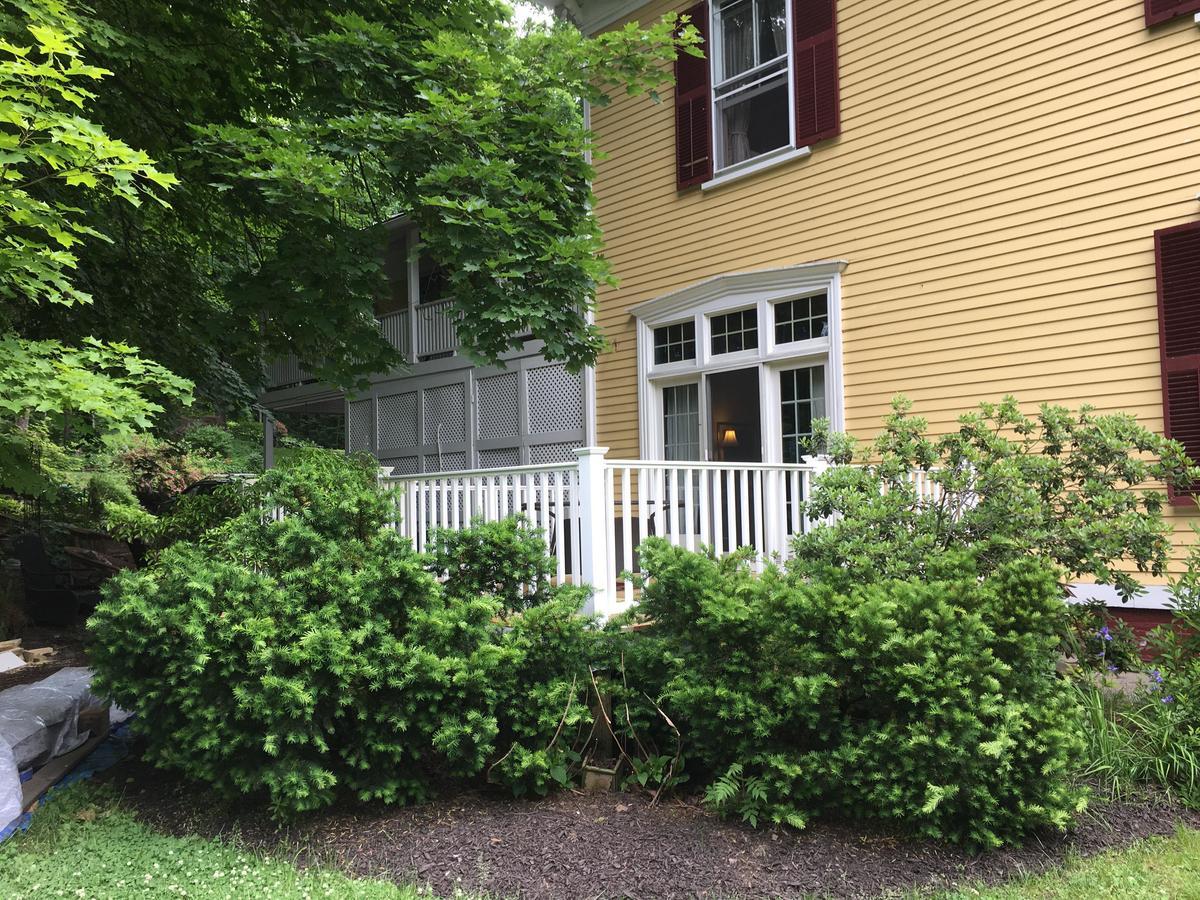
(768, 81)
(750, 80)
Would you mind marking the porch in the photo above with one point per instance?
(595, 511)
(425, 333)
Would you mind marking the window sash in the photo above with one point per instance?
(755, 8)
(769, 69)
(722, 328)
(801, 391)
(764, 76)
(681, 421)
(679, 336)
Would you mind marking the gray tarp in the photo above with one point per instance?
(37, 723)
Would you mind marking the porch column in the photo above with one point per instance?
(268, 441)
(596, 566)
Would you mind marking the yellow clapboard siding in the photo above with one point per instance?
(995, 188)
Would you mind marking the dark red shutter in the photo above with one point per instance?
(693, 120)
(1177, 255)
(814, 42)
(1164, 10)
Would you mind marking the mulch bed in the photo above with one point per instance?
(618, 845)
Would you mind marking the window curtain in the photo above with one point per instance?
(775, 21)
(737, 34)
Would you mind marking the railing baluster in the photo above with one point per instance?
(576, 517)
(626, 531)
(805, 489)
(743, 491)
(689, 522)
(718, 504)
(543, 507)
(760, 516)
(560, 525)
(643, 508)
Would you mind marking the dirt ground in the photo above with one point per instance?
(618, 845)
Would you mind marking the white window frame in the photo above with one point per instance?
(729, 293)
(788, 150)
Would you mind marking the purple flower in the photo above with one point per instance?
(1156, 676)
(1104, 633)
(1168, 699)
(1112, 668)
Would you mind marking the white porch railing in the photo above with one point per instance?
(596, 512)
(547, 495)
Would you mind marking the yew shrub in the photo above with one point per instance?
(314, 654)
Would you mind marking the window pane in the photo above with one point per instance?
(674, 343)
(802, 400)
(735, 331)
(681, 421)
(754, 122)
(772, 29)
(801, 319)
(737, 38)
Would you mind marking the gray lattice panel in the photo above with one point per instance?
(398, 420)
(403, 465)
(450, 462)
(500, 458)
(446, 406)
(360, 425)
(498, 412)
(546, 454)
(555, 400)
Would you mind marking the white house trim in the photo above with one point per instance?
(760, 290)
(753, 166)
(592, 15)
(1154, 596)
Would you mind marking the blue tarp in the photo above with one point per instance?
(106, 755)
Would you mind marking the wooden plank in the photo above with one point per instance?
(50, 774)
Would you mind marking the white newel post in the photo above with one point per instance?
(820, 464)
(593, 542)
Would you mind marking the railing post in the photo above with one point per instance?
(819, 465)
(596, 559)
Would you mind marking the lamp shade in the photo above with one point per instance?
(729, 436)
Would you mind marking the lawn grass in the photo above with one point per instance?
(1160, 867)
(82, 844)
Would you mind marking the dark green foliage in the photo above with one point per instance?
(1067, 486)
(312, 652)
(198, 516)
(1156, 737)
(209, 440)
(299, 129)
(1098, 641)
(931, 702)
(506, 559)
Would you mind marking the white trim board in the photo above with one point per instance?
(1154, 596)
(739, 288)
(756, 289)
(596, 14)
